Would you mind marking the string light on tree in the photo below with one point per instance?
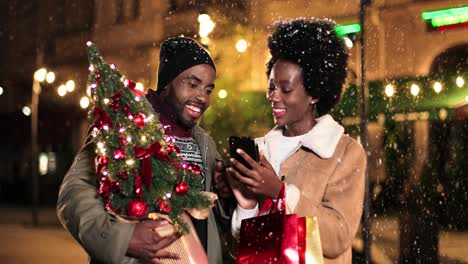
(460, 82)
(414, 89)
(147, 167)
(437, 87)
(389, 90)
(139, 86)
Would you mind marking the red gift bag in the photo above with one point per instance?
(279, 238)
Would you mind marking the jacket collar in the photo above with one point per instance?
(322, 139)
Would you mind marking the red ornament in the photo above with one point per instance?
(109, 206)
(137, 208)
(116, 96)
(163, 206)
(119, 154)
(137, 184)
(104, 187)
(101, 163)
(115, 106)
(123, 175)
(101, 120)
(130, 84)
(139, 120)
(115, 186)
(103, 160)
(97, 75)
(170, 148)
(181, 188)
(195, 169)
(126, 107)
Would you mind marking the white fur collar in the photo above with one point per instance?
(322, 139)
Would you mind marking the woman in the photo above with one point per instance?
(321, 168)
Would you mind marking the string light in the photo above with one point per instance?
(348, 42)
(437, 87)
(460, 82)
(414, 89)
(139, 86)
(148, 118)
(222, 94)
(206, 25)
(389, 90)
(130, 162)
(103, 151)
(40, 74)
(241, 45)
(84, 102)
(50, 77)
(26, 111)
(106, 100)
(62, 90)
(70, 85)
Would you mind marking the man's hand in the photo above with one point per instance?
(220, 180)
(148, 245)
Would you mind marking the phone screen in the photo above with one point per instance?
(247, 144)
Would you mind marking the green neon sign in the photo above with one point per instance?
(347, 29)
(445, 12)
(449, 20)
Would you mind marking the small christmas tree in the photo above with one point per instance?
(140, 168)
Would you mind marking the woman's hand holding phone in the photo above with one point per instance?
(261, 179)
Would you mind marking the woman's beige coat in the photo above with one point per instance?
(331, 186)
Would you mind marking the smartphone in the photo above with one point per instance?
(247, 144)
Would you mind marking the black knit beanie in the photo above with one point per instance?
(177, 55)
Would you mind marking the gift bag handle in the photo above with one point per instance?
(268, 204)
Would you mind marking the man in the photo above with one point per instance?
(185, 82)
